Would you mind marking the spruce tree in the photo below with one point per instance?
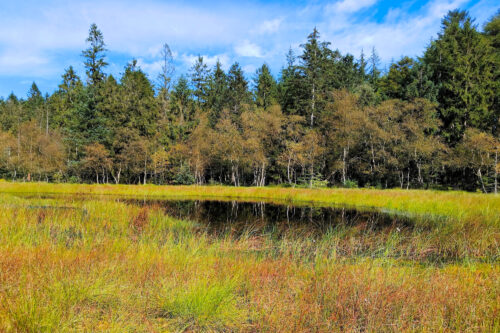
(217, 93)
(265, 87)
(95, 56)
(238, 89)
(463, 68)
(199, 80)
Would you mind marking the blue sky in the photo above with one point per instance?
(39, 39)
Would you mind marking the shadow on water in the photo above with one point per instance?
(237, 218)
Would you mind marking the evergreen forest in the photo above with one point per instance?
(328, 118)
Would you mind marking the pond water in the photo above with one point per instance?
(222, 217)
(237, 217)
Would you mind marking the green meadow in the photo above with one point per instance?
(76, 258)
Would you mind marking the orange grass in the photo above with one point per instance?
(111, 266)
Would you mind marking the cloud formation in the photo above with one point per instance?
(248, 49)
(352, 6)
(39, 39)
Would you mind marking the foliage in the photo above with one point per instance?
(415, 126)
(184, 176)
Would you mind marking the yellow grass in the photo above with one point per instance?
(461, 206)
(110, 266)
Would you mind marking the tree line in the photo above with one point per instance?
(328, 119)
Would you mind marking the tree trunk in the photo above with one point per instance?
(373, 155)
(234, 175)
(312, 175)
(420, 179)
(288, 171)
(47, 122)
(117, 177)
(313, 104)
(480, 175)
(263, 175)
(496, 172)
(344, 166)
(145, 170)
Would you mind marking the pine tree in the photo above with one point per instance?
(362, 67)
(217, 93)
(492, 33)
(199, 80)
(165, 77)
(139, 107)
(70, 80)
(374, 73)
(265, 87)
(408, 79)
(312, 65)
(463, 65)
(238, 89)
(94, 56)
(292, 92)
(181, 99)
(34, 103)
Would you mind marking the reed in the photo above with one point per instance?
(101, 265)
(460, 206)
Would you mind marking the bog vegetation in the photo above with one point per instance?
(78, 258)
(329, 119)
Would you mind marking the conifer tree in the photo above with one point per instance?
(265, 87)
(199, 80)
(95, 56)
(237, 89)
(462, 63)
(217, 93)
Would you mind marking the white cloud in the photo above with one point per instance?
(12, 63)
(270, 26)
(249, 69)
(42, 38)
(189, 59)
(396, 36)
(351, 6)
(150, 68)
(248, 49)
(393, 15)
(127, 26)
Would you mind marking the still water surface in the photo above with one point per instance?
(222, 217)
(237, 217)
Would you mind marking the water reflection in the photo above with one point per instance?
(236, 217)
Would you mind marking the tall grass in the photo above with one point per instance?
(460, 206)
(103, 265)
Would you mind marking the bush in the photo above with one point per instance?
(317, 181)
(351, 184)
(73, 180)
(184, 176)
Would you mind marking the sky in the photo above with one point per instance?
(40, 39)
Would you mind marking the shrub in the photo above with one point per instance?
(184, 176)
(351, 184)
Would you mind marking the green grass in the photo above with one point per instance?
(103, 265)
(461, 206)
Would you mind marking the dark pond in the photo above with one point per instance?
(241, 217)
(237, 217)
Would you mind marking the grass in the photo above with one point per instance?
(461, 206)
(103, 265)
